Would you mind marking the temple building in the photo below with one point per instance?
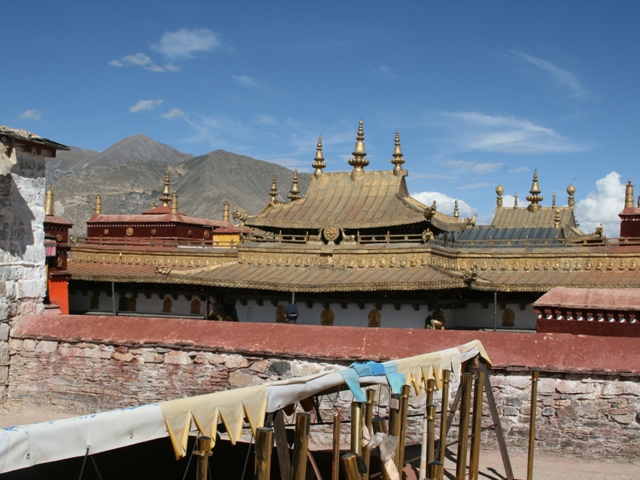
(56, 230)
(357, 249)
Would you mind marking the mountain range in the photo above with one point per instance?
(129, 175)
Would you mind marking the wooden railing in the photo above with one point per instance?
(153, 242)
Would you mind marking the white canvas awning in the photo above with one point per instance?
(28, 445)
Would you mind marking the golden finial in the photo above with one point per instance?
(48, 202)
(535, 198)
(294, 193)
(154, 205)
(318, 163)
(571, 191)
(274, 189)
(556, 218)
(98, 204)
(225, 211)
(515, 200)
(397, 156)
(456, 211)
(499, 192)
(358, 162)
(628, 195)
(174, 203)
(638, 201)
(165, 198)
(553, 200)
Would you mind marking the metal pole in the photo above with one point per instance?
(356, 427)
(300, 447)
(203, 453)
(431, 431)
(463, 429)
(264, 447)
(425, 426)
(532, 423)
(477, 426)
(436, 470)
(368, 415)
(444, 412)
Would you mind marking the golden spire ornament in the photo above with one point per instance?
(294, 193)
(358, 162)
(225, 211)
(397, 156)
(499, 192)
(274, 189)
(456, 210)
(318, 163)
(165, 198)
(174, 203)
(535, 198)
(98, 204)
(48, 202)
(571, 191)
(628, 195)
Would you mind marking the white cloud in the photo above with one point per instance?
(145, 105)
(561, 76)
(602, 205)
(384, 71)
(478, 131)
(174, 113)
(31, 114)
(467, 166)
(185, 43)
(245, 80)
(444, 203)
(265, 119)
(144, 61)
(471, 186)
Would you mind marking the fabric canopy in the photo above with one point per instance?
(29, 445)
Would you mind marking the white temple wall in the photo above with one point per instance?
(22, 254)
(473, 315)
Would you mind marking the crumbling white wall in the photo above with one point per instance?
(22, 255)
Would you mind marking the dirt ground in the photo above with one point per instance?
(546, 466)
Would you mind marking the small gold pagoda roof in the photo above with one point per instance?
(523, 218)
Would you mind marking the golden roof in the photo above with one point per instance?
(355, 200)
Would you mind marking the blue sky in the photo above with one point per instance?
(482, 93)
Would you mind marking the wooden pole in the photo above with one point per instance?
(380, 425)
(532, 423)
(446, 374)
(335, 461)
(350, 466)
(356, 427)
(264, 447)
(463, 429)
(300, 447)
(404, 408)
(203, 453)
(368, 416)
(477, 426)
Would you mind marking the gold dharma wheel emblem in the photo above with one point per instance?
(206, 234)
(129, 231)
(331, 233)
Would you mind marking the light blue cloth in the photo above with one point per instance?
(352, 376)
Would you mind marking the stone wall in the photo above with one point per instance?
(22, 255)
(579, 414)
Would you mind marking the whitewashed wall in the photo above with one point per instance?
(22, 255)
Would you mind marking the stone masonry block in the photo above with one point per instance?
(46, 347)
(621, 388)
(177, 358)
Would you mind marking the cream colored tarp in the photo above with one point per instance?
(29, 445)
